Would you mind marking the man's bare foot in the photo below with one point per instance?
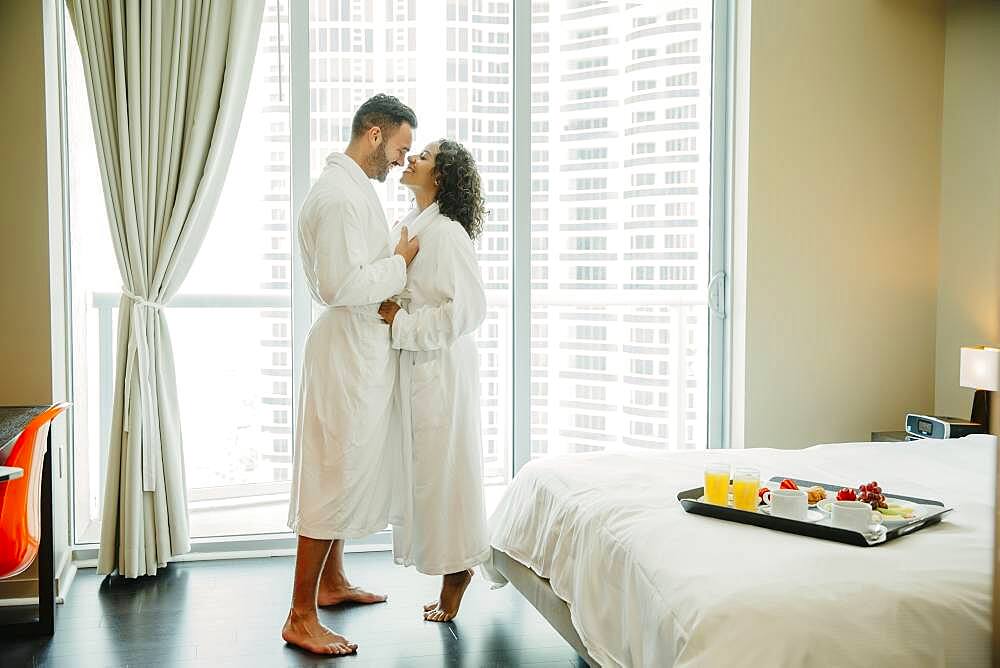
(347, 594)
(452, 590)
(306, 632)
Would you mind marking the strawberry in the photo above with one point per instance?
(788, 484)
(847, 494)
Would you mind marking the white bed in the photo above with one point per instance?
(650, 585)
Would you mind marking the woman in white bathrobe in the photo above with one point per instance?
(439, 519)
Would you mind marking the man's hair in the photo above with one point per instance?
(385, 111)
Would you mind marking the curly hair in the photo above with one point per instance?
(460, 192)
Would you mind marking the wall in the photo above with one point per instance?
(842, 223)
(30, 187)
(25, 354)
(968, 310)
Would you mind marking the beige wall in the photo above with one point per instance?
(968, 310)
(843, 208)
(25, 339)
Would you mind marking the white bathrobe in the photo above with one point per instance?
(439, 522)
(346, 443)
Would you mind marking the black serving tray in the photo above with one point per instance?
(819, 529)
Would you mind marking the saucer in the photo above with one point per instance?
(876, 534)
(919, 511)
(811, 515)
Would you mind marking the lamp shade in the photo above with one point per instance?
(980, 368)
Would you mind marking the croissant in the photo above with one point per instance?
(816, 494)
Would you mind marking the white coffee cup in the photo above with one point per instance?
(790, 503)
(854, 516)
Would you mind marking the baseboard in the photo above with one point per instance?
(64, 578)
(233, 554)
(18, 602)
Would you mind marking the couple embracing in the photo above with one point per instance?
(388, 415)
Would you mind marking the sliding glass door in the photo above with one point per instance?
(621, 233)
(593, 126)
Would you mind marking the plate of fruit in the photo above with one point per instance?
(893, 511)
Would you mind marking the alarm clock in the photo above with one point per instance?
(940, 426)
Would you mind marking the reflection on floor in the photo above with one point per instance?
(228, 613)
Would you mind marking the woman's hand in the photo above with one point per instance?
(388, 311)
(407, 248)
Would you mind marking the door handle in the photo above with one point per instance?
(716, 290)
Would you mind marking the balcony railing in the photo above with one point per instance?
(106, 303)
(216, 504)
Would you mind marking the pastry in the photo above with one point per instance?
(815, 494)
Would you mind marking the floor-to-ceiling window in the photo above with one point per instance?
(621, 110)
(621, 236)
(94, 278)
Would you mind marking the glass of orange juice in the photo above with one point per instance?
(717, 483)
(746, 482)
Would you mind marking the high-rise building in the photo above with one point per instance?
(620, 129)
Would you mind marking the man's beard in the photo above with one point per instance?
(380, 163)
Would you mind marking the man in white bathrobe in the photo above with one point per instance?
(347, 421)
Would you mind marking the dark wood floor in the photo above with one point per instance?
(229, 613)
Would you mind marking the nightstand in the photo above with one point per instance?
(888, 436)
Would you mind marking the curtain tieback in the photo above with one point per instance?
(142, 301)
(149, 419)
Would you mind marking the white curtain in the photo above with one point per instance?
(167, 82)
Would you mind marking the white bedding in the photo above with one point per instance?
(650, 585)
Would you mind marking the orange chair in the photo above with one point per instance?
(20, 500)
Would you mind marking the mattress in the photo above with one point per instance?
(650, 585)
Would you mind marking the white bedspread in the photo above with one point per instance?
(650, 585)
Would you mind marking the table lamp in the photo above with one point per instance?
(980, 370)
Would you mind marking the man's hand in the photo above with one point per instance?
(407, 248)
(388, 309)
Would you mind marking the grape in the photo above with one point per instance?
(871, 494)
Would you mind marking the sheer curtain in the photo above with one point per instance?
(167, 82)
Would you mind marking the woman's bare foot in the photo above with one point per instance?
(452, 590)
(347, 594)
(306, 632)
